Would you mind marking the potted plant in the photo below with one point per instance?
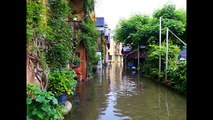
(62, 84)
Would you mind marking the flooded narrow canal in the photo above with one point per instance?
(117, 94)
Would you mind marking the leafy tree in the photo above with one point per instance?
(141, 29)
(174, 19)
(127, 30)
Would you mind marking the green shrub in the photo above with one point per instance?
(62, 81)
(179, 77)
(89, 35)
(42, 105)
(151, 64)
(175, 72)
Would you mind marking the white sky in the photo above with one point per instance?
(113, 10)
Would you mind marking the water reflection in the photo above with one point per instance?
(118, 94)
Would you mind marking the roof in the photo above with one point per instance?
(183, 53)
(134, 54)
(99, 22)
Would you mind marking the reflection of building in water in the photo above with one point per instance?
(117, 71)
(99, 74)
(99, 65)
(115, 75)
(81, 93)
(112, 72)
(115, 54)
(107, 72)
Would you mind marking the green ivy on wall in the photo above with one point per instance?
(36, 24)
(88, 6)
(60, 42)
(89, 35)
(37, 30)
(102, 46)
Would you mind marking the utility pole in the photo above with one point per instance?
(138, 57)
(160, 47)
(167, 48)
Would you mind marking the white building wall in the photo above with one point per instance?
(115, 58)
(99, 66)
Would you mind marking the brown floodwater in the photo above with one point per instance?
(115, 93)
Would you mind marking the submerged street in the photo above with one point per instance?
(115, 93)
(106, 60)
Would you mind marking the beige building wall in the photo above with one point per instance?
(115, 51)
(111, 50)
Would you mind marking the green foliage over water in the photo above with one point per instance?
(144, 30)
(42, 105)
(62, 81)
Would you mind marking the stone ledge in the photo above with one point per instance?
(68, 107)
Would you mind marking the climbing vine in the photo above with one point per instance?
(60, 42)
(89, 35)
(36, 24)
(103, 39)
(36, 32)
(51, 44)
(88, 6)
